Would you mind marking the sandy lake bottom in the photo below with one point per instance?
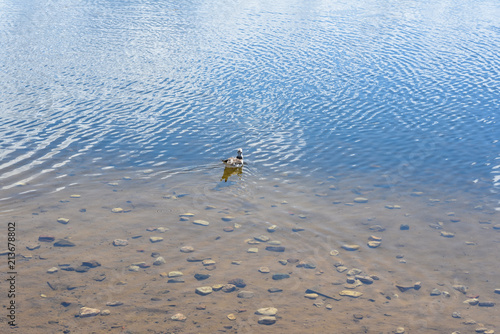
(435, 251)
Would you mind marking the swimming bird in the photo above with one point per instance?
(235, 162)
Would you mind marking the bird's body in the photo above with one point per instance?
(235, 162)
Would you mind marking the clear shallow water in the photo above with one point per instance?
(329, 100)
(322, 87)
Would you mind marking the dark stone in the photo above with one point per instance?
(275, 248)
(274, 290)
(155, 254)
(277, 277)
(65, 304)
(82, 269)
(68, 268)
(238, 282)
(404, 227)
(486, 304)
(64, 243)
(404, 288)
(91, 264)
(298, 229)
(201, 277)
(306, 265)
(176, 280)
(46, 238)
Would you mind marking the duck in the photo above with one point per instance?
(235, 162)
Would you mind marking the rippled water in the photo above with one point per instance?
(390, 96)
(323, 87)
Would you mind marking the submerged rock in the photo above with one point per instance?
(88, 312)
(64, 243)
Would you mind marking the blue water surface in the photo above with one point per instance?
(406, 90)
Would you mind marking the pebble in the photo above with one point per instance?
(105, 312)
(341, 269)
(275, 248)
(187, 214)
(334, 252)
(239, 282)
(264, 270)
(364, 279)
(267, 320)
(262, 238)
(33, 246)
(497, 291)
(350, 247)
(63, 220)
(274, 290)
(91, 264)
(472, 301)
(392, 207)
(268, 311)
(173, 274)
(114, 303)
(277, 277)
(178, 317)
(400, 330)
(46, 238)
(274, 242)
(155, 239)
(227, 218)
(64, 243)
(201, 222)
(298, 229)
(133, 268)
(373, 244)
(74, 196)
(456, 315)
(231, 317)
(204, 290)
(329, 306)
(187, 249)
(217, 287)
(162, 229)
(245, 294)
(349, 293)
(496, 227)
(311, 295)
(253, 250)
(354, 272)
(486, 304)
(208, 262)
(228, 229)
(120, 242)
(236, 262)
(435, 292)
(201, 277)
(360, 200)
(228, 288)
(404, 227)
(117, 210)
(377, 228)
(447, 234)
(461, 288)
(88, 312)
(306, 265)
(374, 238)
(272, 228)
(53, 270)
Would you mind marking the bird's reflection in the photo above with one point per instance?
(229, 171)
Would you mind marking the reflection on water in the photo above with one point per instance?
(230, 171)
(355, 118)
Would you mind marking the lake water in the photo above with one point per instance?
(356, 118)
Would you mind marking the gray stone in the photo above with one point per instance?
(435, 292)
(277, 277)
(275, 248)
(267, 320)
(245, 294)
(64, 243)
(204, 290)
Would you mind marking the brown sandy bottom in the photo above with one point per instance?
(310, 227)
